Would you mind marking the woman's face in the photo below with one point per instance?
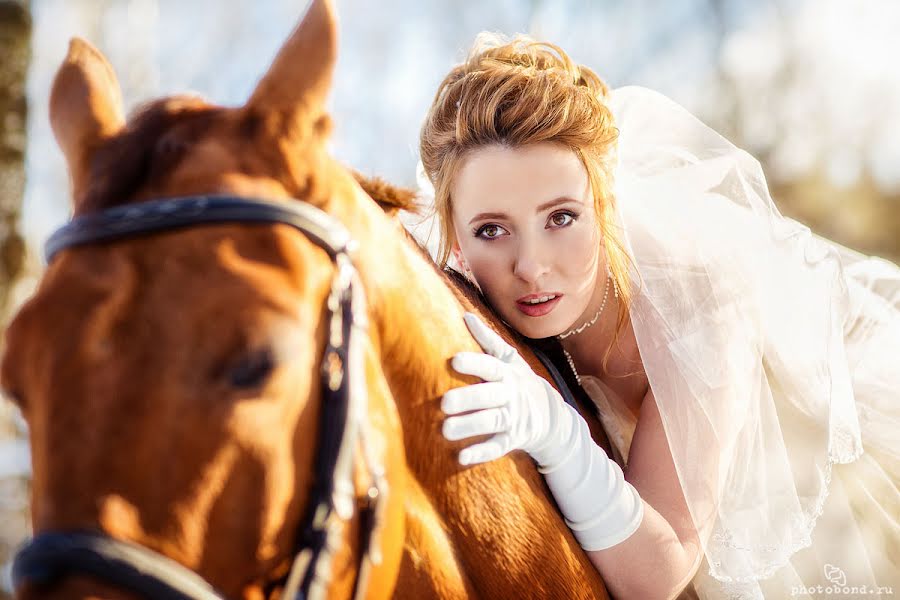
(526, 227)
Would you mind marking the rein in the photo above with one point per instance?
(52, 555)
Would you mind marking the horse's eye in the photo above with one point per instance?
(169, 145)
(253, 369)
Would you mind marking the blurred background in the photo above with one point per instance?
(810, 87)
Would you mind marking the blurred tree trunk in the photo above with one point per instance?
(15, 50)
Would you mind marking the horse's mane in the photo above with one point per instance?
(390, 198)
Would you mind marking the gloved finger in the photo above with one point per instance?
(489, 340)
(491, 420)
(492, 449)
(475, 397)
(480, 365)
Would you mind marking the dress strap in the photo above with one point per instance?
(558, 379)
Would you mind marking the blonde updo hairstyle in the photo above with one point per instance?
(519, 92)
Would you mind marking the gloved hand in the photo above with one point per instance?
(521, 408)
(525, 412)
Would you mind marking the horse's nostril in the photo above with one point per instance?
(253, 369)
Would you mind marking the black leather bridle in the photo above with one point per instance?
(50, 556)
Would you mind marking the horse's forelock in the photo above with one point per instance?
(145, 149)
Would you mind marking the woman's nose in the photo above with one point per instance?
(530, 262)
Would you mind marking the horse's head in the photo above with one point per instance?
(172, 381)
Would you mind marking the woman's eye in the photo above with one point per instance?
(561, 219)
(489, 231)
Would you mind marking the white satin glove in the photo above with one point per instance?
(523, 411)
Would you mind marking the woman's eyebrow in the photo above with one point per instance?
(555, 202)
(541, 208)
(487, 215)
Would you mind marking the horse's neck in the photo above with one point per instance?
(416, 317)
(421, 329)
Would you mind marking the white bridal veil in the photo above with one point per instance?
(773, 354)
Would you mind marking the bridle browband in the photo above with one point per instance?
(50, 556)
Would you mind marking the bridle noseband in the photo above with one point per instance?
(50, 556)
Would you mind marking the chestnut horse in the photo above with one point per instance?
(180, 381)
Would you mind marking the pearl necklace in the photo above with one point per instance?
(587, 324)
(584, 326)
(572, 365)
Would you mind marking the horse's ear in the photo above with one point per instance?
(85, 108)
(299, 79)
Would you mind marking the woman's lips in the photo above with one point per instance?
(538, 310)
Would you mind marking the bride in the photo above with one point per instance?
(745, 370)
